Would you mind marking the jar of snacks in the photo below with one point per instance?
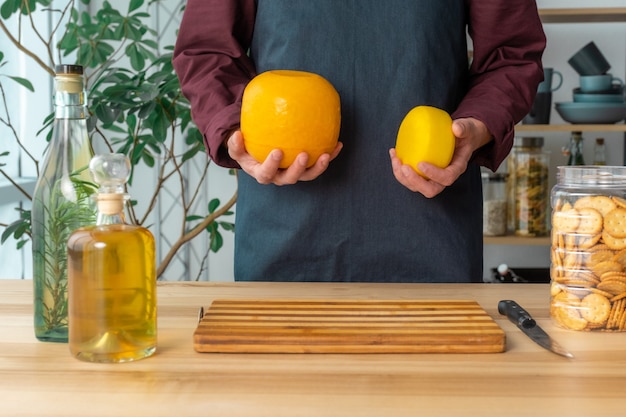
(588, 255)
(528, 188)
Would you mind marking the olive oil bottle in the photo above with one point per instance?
(112, 276)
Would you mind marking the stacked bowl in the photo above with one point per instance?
(600, 96)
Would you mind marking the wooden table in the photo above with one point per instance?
(42, 379)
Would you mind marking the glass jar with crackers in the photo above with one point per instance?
(588, 254)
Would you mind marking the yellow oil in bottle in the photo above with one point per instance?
(112, 287)
(111, 276)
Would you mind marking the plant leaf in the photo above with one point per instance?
(134, 5)
(23, 81)
(217, 241)
(214, 204)
(9, 7)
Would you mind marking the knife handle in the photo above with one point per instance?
(516, 314)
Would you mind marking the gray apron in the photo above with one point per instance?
(356, 222)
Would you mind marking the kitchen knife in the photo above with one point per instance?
(520, 317)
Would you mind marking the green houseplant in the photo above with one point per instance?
(135, 103)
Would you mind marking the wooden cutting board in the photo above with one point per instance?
(347, 326)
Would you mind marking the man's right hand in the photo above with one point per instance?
(268, 171)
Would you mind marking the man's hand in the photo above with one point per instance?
(268, 171)
(470, 135)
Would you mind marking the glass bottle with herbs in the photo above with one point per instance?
(61, 203)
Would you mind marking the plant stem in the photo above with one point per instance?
(26, 51)
(193, 233)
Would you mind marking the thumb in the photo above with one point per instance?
(459, 128)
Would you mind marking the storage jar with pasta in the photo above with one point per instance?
(528, 188)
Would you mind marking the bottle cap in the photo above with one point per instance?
(69, 79)
(111, 172)
(68, 69)
(528, 142)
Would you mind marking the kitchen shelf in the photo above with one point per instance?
(517, 240)
(571, 128)
(579, 15)
(583, 15)
(565, 15)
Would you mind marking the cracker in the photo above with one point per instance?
(565, 309)
(615, 275)
(601, 203)
(612, 286)
(572, 264)
(591, 221)
(598, 247)
(618, 297)
(620, 256)
(603, 293)
(616, 315)
(611, 322)
(615, 222)
(566, 221)
(579, 291)
(571, 243)
(613, 242)
(622, 320)
(619, 201)
(555, 288)
(596, 256)
(607, 266)
(619, 308)
(588, 241)
(595, 308)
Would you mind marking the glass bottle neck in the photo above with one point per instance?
(69, 106)
(69, 97)
(111, 208)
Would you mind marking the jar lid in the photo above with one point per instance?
(598, 176)
(68, 69)
(494, 177)
(528, 142)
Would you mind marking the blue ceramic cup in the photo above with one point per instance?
(552, 81)
(599, 83)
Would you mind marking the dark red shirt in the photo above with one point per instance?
(508, 42)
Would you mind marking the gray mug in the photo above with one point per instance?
(552, 81)
(589, 61)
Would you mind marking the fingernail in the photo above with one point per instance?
(277, 155)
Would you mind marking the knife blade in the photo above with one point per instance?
(523, 320)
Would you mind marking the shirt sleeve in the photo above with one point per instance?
(508, 41)
(213, 68)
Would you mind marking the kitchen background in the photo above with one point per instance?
(564, 39)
